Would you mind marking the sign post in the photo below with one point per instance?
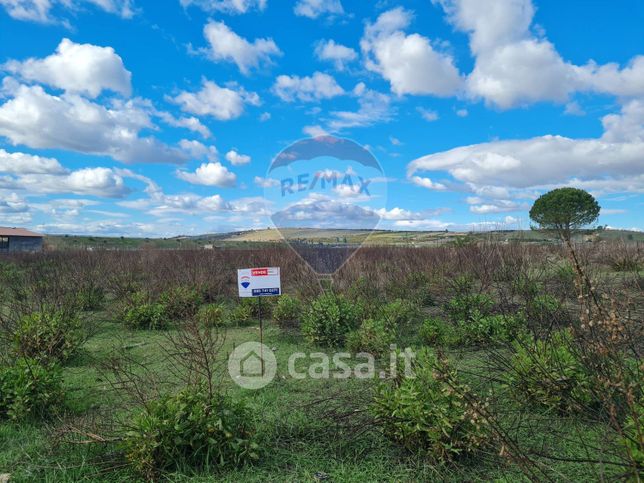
(259, 282)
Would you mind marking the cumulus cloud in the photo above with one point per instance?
(39, 175)
(237, 159)
(21, 163)
(427, 114)
(227, 46)
(312, 88)
(513, 66)
(34, 118)
(266, 182)
(428, 183)
(41, 10)
(409, 62)
(191, 123)
(226, 6)
(611, 163)
(373, 107)
(78, 68)
(223, 103)
(210, 174)
(316, 8)
(198, 150)
(340, 55)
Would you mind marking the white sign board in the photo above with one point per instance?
(259, 282)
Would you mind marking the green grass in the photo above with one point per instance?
(298, 445)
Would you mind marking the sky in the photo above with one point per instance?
(161, 118)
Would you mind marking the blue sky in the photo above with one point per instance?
(148, 118)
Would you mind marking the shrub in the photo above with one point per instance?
(374, 336)
(147, 316)
(29, 389)
(329, 319)
(480, 329)
(461, 284)
(415, 287)
(212, 315)
(48, 335)
(546, 310)
(633, 438)
(428, 413)
(549, 373)
(90, 298)
(241, 314)
(436, 331)
(181, 302)
(190, 430)
(253, 304)
(400, 312)
(462, 307)
(287, 310)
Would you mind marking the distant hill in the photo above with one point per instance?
(250, 238)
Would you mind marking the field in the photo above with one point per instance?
(528, 361)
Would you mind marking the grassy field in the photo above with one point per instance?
(323, 429)
(258, 238)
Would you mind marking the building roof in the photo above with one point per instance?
(5, 231)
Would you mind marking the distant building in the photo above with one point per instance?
(19, 240)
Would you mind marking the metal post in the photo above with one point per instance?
(261, 334)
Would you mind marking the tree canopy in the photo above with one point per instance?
(565, 209)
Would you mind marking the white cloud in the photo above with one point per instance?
(462, 112)
(313, 88)
(237, 159)
(210, 174)
(340, 55)
(41, 10)
(226, 6)
(222, 103)
(266, 182)
(77, 68)
(408, 62)
(264, 116)
(314, 131)
(226, 45)
(191, 123)
(374, 107)
(611, 163)
(21, 163)
(574, 109)
(514, 67)
(198, 150)
(427, 114)
(316, 8)
(36, 119)
(428, 183)
(499, 206)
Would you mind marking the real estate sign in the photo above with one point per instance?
(259, 282)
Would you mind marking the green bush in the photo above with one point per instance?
(329, 319)
(462, 307)
(181, 302)
(212, 315)
(190, 431)
(436, 331)
(49, 335)
(548, 373)
(428, 413)
(461, 284)
(633, 438)
(481, 329)
(546, 310)
(400, 312)
(147, 316)
(29, 389)
(90, 298)
(287, 311)
(241, 314)
(374, 336)
(416, 287)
